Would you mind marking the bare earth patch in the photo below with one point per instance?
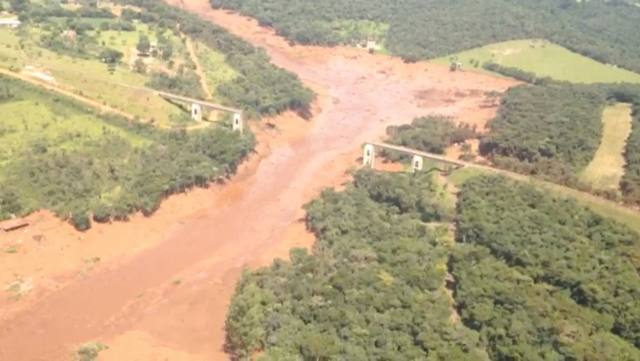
(607, 166)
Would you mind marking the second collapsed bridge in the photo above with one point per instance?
(417, 162)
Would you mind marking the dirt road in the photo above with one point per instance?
(170, 301)
(203, 77)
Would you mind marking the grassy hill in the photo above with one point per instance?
(58, 155)
(543, 59)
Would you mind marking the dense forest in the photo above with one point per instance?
(372, 290)
(548, 131)
(571, 275)
(424, 29)
(77, 175)
(261, 89)
(535, 277)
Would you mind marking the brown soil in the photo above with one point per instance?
(162, 286)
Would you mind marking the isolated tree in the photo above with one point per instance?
(143, 44)
(167, 52)
(19, 5)
(111, 56)
(139, 66)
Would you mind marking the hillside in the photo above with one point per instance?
(144, 44)
(58, 155)
(426, 29)
(81, 164)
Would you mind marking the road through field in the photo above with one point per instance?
(176, 293)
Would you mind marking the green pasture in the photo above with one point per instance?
(607, 166)
(544, 59)
(36, 120)
(91, 77)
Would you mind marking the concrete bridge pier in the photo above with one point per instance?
(369, 155)
(237, 122)
(196, 112)
(416, 163)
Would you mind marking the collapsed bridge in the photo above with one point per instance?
(417, 162)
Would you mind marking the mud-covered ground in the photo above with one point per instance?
(162, 284)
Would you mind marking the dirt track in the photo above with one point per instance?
(169, 301)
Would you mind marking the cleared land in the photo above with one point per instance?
(607, 166)
(544, 59)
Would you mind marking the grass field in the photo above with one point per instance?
(214, 66)
(37, 120)
(607, 166)
(543, 59)
(91, 77)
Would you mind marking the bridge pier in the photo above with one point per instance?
(237, 122)
(416, 163)
(196, 112)
(369, 155)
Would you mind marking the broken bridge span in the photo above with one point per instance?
(369, 154)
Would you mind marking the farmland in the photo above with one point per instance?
(543, 59)
(607, 167)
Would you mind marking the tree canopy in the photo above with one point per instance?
(538, 251)
(372, 289)
(535, 277)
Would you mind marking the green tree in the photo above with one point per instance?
(139, 66)
(144, 44)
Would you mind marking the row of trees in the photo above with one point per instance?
(517, 73)
(261, 88)
(372, 289)
(630, 183)
(605, 31)
(108, 177)
(564, 279)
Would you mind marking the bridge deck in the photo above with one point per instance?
(196, 101)
(419, 153)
